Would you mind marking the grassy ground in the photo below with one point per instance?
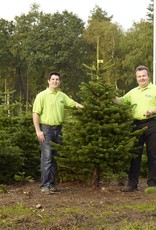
(78, 207)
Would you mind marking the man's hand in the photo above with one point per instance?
(40, 136)
(148, 113)
(80, 106)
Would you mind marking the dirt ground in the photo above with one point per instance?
(79, 206)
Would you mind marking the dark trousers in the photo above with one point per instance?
(148, 138)
(48, 164)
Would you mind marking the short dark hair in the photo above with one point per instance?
(53, 73)
(142, 67)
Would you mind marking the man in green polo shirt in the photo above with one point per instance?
(48, 116)
(143, 99)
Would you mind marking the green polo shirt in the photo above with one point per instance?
(50, 106)
(141, 99)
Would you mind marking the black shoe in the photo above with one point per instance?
(129, 189)
(54, 190)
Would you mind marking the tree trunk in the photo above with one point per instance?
(96, 177)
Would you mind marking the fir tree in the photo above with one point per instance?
(98, 139)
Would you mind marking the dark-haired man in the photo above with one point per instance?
(48, 116)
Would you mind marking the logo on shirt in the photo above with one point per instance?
(148, 95)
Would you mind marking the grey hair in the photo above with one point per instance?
(142, 67)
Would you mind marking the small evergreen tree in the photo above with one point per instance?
(98, 139)
(25, 139)
(19, 148)
(11, 156)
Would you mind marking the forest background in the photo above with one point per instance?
(96, 62)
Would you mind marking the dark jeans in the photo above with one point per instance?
(48, 164)
(149, 138)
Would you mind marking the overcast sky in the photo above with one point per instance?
(124, 12)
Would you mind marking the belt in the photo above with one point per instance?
(56, 126)
(53, 126)
(145, 120)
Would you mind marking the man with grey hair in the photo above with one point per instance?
(143, 100)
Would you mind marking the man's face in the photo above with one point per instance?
(54, 82)
(142, 78)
